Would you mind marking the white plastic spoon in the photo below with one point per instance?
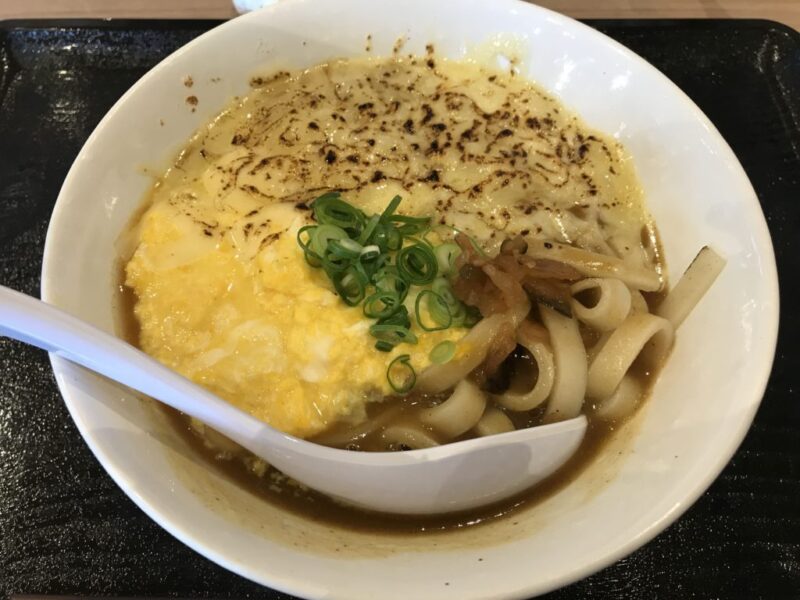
(446, 478)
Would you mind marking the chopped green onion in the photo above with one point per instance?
(442, 287)
(399, 317)
(364, 270)
(387, 238)
(401, 375)
(393, 334)
(351, 245)
(412, 225)
(390, 208)
(330, 209)
(417, 264)
(381, 305)
(350, 285)
(375, 260)
(458, 310)
(344, 248)
(388, 280)
(394, 329)
(370, 252)
(369, 228)
(371, 264)
(324, 234)
(312, 258)
(437, 308)
(443, 352)
(333, 264)
(446, 256)
(309, 229)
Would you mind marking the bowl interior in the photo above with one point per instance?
(702, 404)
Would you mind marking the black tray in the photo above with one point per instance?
(65, 527)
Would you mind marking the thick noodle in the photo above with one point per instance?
(459, 413)
(492, 422)
(569, 386)
(691, 287)
(640, 334)
(411, 436)
(342, 436)
(612, 306)
(638, 303)
(438, 378)
(591, 353)
(543, 356)
(623, 401)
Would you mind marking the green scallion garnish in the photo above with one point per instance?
(437, 309)
(446, 256)
(381, 305)
(411, 225)
(401, 374)
(443, 352)
(330, 209)
(417, 264)
(350, 285)
(375, 260)
(393, 334)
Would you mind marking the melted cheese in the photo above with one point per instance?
(224, 295)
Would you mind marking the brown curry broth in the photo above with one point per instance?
(312, 505)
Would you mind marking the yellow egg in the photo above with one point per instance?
(265, 332)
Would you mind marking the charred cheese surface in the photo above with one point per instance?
(224, 295)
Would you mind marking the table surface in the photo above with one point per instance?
(785, 11)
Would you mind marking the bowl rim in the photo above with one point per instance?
(294, 585)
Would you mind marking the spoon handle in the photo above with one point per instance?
(40, 324)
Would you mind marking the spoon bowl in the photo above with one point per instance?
(447, 478)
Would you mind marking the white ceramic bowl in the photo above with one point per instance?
(702, 405)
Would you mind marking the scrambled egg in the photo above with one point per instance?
(268, 334)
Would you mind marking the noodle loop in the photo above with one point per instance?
(476, 344)
(623, 401)
(492, 422)
(569, 384)
(459, 413)
(641, 334)
(612, 306)
(543, 357)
